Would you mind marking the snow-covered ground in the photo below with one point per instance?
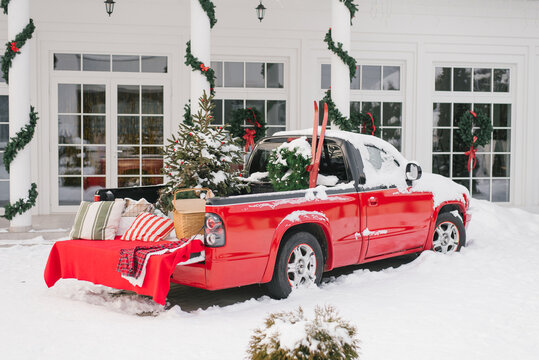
(481, 303)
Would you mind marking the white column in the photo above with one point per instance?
(340, 74)
(200, 48)
(19, 109)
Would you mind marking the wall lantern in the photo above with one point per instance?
(260, 11)
(109, 6)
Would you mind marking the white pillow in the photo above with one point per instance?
(125, 223)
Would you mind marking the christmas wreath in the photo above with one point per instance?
(474, 130)
(247, 124)
(287, 165)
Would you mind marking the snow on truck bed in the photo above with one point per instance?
(481, 303)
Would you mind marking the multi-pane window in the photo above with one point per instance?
(115, 63)
(81, 141)
(368, 77)
(490, 179)
(257, 85)
(381, 84)
(274, 112)
(140, 135)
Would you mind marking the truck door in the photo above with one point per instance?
(395, 221)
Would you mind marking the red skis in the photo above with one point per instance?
(316, 151)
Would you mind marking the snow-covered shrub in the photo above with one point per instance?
(287, 165)
(290, 335)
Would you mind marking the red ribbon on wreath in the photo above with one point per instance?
(249, 138)
(204, 68)
(254, 116)
(14, 47)
(471, 155)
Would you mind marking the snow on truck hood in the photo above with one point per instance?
(443, 189)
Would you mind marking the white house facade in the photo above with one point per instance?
(111, 90)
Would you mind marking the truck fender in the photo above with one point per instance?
(444, 207)
(293, 219)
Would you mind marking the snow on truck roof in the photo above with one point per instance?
(389, 173)
(358, 140)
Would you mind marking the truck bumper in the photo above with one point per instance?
(216, 275)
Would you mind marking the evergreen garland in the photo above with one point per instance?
(197, 65)
(287, 166)
(20, 140)
(247, 119)
(358, 122)
(4, 4)
(470, 120)
(22, 205)
(351, 7)
(12, 48)
(24, 135)
(341, 53)
(209, 9)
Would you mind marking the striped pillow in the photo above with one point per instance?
(148, 227)
(97, 220)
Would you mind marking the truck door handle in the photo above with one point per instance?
(373, 201)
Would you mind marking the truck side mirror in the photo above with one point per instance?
(413, 172)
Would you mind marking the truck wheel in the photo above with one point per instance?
(299, 263)
(449, 234)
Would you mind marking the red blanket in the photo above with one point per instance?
(96, 261)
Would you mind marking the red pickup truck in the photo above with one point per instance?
(374, 205)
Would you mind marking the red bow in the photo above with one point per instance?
(473, 114)
(249, 138)
(204, 68)
(14, 47)
(471, 156)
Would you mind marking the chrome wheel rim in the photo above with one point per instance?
(301, 266)
(446, 238)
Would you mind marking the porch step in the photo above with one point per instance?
(46, 227)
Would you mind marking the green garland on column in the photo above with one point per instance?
(4, 4)
(23, 137)
(197, 65)
(341, 53)
(13, 48)
(209, 9)
(20, 140)
(22, 205)
(351, 7)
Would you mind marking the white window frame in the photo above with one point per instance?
(111, 80)
(478, 97)
(251, 93)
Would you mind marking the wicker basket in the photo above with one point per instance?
(188, 214)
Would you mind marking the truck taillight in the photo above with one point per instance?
(214, 231)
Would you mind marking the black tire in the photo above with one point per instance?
(452, 226)
(280, 285)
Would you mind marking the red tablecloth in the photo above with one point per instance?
(96, 261)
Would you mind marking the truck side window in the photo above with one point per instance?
(378, 158)
(332, 162)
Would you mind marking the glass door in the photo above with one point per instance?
(140, 134)
(82, 141)
(106, 133)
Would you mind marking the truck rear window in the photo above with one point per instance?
(332, 162)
